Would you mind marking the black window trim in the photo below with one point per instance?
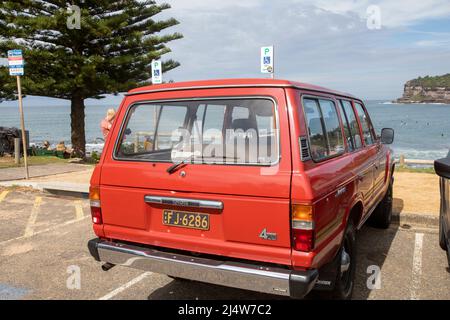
(212, 98)
(363, 145)
(317, 98)
(371, 127)
(347, 124)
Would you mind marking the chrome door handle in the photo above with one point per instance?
(184, 202)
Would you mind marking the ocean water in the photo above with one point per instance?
(422, 131)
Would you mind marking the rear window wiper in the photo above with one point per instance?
(175, 166)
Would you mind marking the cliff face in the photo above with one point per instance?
(427, 90)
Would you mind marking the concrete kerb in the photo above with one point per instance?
(76, 190)
(405, 218)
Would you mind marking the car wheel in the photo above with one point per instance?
(382, 216)
(345, 280)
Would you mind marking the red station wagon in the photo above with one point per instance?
(255, 184)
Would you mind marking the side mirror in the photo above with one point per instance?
(387, 136)
(442, 167)
(127, 131)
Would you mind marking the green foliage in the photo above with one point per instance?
(432, 82)
(110, 53)
(415, 170)
(95, 156)
(6, 87)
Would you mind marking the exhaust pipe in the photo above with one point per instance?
(107, 266)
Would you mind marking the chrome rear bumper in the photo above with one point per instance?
(246, 276)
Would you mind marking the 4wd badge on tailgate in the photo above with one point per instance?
(268, 235)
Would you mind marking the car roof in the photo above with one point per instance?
(234, 83)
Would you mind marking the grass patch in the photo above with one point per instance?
(8, 162)
(429, 170)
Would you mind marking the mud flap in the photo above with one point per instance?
(328, 275)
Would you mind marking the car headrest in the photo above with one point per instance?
(315, 125)
(244, 124)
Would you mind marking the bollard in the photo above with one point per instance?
(402, 160)
(17, 150)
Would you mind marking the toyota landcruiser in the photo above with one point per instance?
(256, 184)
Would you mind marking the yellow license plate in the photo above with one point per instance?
(189, 220)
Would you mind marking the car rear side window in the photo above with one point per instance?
(353, 123)
(366, 125)
(347, 130)
(324, 128)
(234, 131)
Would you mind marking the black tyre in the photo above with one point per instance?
(442, 240)
(345, 279)
(382, 216)
(448, 256)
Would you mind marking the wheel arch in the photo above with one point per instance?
(355, 212)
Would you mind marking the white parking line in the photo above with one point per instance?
(3, 195)
(45, 230)
(29, 230)
(79, 209)
(122, 288)
(417, 266)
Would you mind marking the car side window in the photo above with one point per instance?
(318, 143)
(324, 129)
(353, 123)
(366, 125)
(332, 127)
(347, 130)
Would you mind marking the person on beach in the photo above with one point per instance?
(107, 123)
(61, 147)
(46, 145)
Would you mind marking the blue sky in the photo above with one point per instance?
(324, 42)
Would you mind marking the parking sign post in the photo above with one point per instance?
(157, 72)
(16, 68)
(267, 61)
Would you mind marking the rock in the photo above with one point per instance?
(427, 90)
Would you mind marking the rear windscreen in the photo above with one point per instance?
(233, 131)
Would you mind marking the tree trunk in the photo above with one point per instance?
(78, 134)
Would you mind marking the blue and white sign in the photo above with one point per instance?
(15, 62)
(267, 63)
(157, 72)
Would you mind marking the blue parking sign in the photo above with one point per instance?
(266, 60)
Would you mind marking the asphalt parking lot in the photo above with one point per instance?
(43, 255)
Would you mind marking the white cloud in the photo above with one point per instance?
(323, 42)
(394, 13)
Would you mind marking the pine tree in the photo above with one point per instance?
(108, 50)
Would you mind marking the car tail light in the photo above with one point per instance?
(302, 227)
(96, 208)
